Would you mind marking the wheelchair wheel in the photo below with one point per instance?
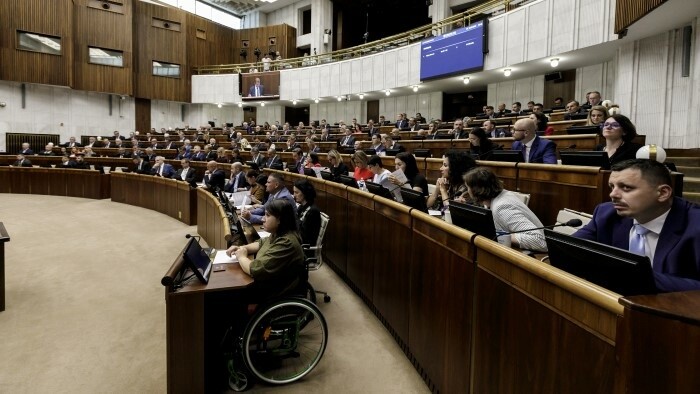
(285, 341)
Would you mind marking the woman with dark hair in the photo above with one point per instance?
(338, 168)
(450, 186)
(509, 212)
(407, 163)
(257, 191)
(308, 214)
(312, 160)
(278, 267)
(481, 146)
(619, 132)
(541, 120)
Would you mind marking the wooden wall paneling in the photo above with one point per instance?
(338, 237)
(258, 37)
(214, 48)
(154, 43)
(143, 114)
(48, 17)
(362, 240)
(565, 88)
(553, 188)
(392, 264)
(103, 29)
(441, 287)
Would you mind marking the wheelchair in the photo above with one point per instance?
(282, 342)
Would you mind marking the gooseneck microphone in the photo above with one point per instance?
(569, 223)
(197, 237)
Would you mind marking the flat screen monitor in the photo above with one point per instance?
(326, 175)
(309, 172)
(249, 232)
(615, 269)
(586, 158)
(379, 190)
(456, 52)
(478, 220)
(510, 156)
(582, 130)
(414, 199)
(392, 152)
(421, 152)
(578, 116)
(444, 136)
(269, 88)
(348, 181)
(370, 152)
(197, 260)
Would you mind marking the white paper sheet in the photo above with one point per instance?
(222, 258)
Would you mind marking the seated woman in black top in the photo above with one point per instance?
(619, 132)
(308, 214)
(337, 167)
(406, 162)
(481, 145)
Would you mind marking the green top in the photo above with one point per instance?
(279, 265)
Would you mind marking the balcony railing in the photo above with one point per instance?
(489, 8)
(629, 11)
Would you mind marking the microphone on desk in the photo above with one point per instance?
(570, 223)
(197, 237)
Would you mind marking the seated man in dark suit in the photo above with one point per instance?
(389, 143)
(256, 90)
(492, 132)
(21, 161)
(256, 157)
(162, 169)
(272, 158)
(48, 151)
(573, 109)
(645, 217)
(72, 143)
(237, 181)
(534, 148)
(186, 173)
(80, 163)
(141, 166)
(214, 177)
(347, 140)
(26, 150)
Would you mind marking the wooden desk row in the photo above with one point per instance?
(474, 316)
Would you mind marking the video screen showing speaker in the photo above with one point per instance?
(459, 51)
(260, 86)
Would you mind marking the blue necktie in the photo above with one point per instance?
(638, 240)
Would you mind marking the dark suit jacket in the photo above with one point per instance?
(168, 170)
(542, 151)
(169, 145)
(22, 163)
(677, 256)
(310, 226)
(145, 168)
(399, 147)
(260, 160)
(27, 152)
(273, 160)
(401, 124)
(68, 145)
(215, 180)
(251, 91)
(199, 156)
(242, 183)
(347, 141)
(190, 178)
(626, 151)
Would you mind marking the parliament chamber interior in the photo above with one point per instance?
(464, 158)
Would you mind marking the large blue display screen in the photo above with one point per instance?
(458, 51)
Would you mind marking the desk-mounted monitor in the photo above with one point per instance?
(586, 158)
(478, 220)
(379, 190)
(510, 156)
(615, 269)
(197, 260)
(414, 199)
(573, 130)
(348, 181)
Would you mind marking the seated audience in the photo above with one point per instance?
(80, 163)
(376, 144)
(278, 267)
(214, 177)
(141, 166)
(573, 109)
(375, 165)
(450, 184)
(646, 218)
(237, 181)
(406, 162)
(308, 214)
(389, 143)
(163, 169)
(481, 146)
(509, 212)
(186, 173)
(26, 150)
(277, 191)
(361, 172)
(312, 160)
(72, 143)
(48, 151)
(534, 148)
(619, 132)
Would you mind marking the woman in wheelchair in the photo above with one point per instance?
(309, 215)
(286, 336)
(278, 267)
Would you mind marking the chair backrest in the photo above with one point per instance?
(524, 197)
(567, 214)
(313, 254)
(322, 231)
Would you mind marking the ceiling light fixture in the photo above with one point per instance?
(361, 96)
(415, 88)
(294, 102)
(219, 105)
(262, 104)
(554, 62)
(466, 80)
(388, 92)
(340, 98)
(507, 72)
(316, 101)
(240, 105)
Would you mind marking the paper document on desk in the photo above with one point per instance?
(238, 198)
(263, 234)
(318, 170)
(243, 205)
(222, 258)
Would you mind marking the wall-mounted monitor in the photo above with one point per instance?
(268, 87)
(459, 51)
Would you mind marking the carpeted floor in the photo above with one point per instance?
(86, 312)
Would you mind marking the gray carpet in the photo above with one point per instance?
(86, 312)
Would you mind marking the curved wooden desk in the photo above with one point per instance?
(474, 316)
